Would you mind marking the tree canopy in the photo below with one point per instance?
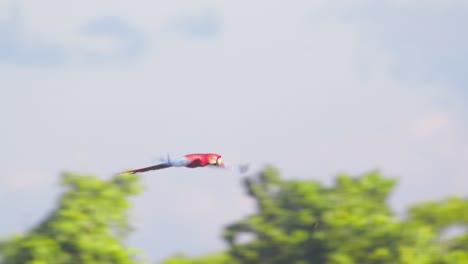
(296, 221)
(86, 227)
(350, 222)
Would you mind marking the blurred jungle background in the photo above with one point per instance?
(352, 114)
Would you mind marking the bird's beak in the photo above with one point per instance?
(220, 161)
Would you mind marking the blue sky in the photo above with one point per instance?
(204, 25)
(314, 88)
(427, 42)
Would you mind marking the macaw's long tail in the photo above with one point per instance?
(155, 167)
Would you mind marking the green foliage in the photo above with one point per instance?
(215, 258)
(440, 214)
(87, 226)
(297, 221)
(350, 222)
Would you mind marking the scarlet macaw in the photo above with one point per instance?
(194, 160)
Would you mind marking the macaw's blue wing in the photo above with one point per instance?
(155, 167)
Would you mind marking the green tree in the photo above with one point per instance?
(350, 222)
(87, 227)
(451, 212)
(214, 258)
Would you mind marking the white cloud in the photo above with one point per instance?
(443, 134)
(22, 178)
(430, 125)
(123, 43)
(60, 20)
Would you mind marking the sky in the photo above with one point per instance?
(313, 87)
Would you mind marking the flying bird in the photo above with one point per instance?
(195, 160)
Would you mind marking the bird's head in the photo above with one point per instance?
(215, 159)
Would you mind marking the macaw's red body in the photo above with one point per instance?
(194, 160)
(203, 159)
